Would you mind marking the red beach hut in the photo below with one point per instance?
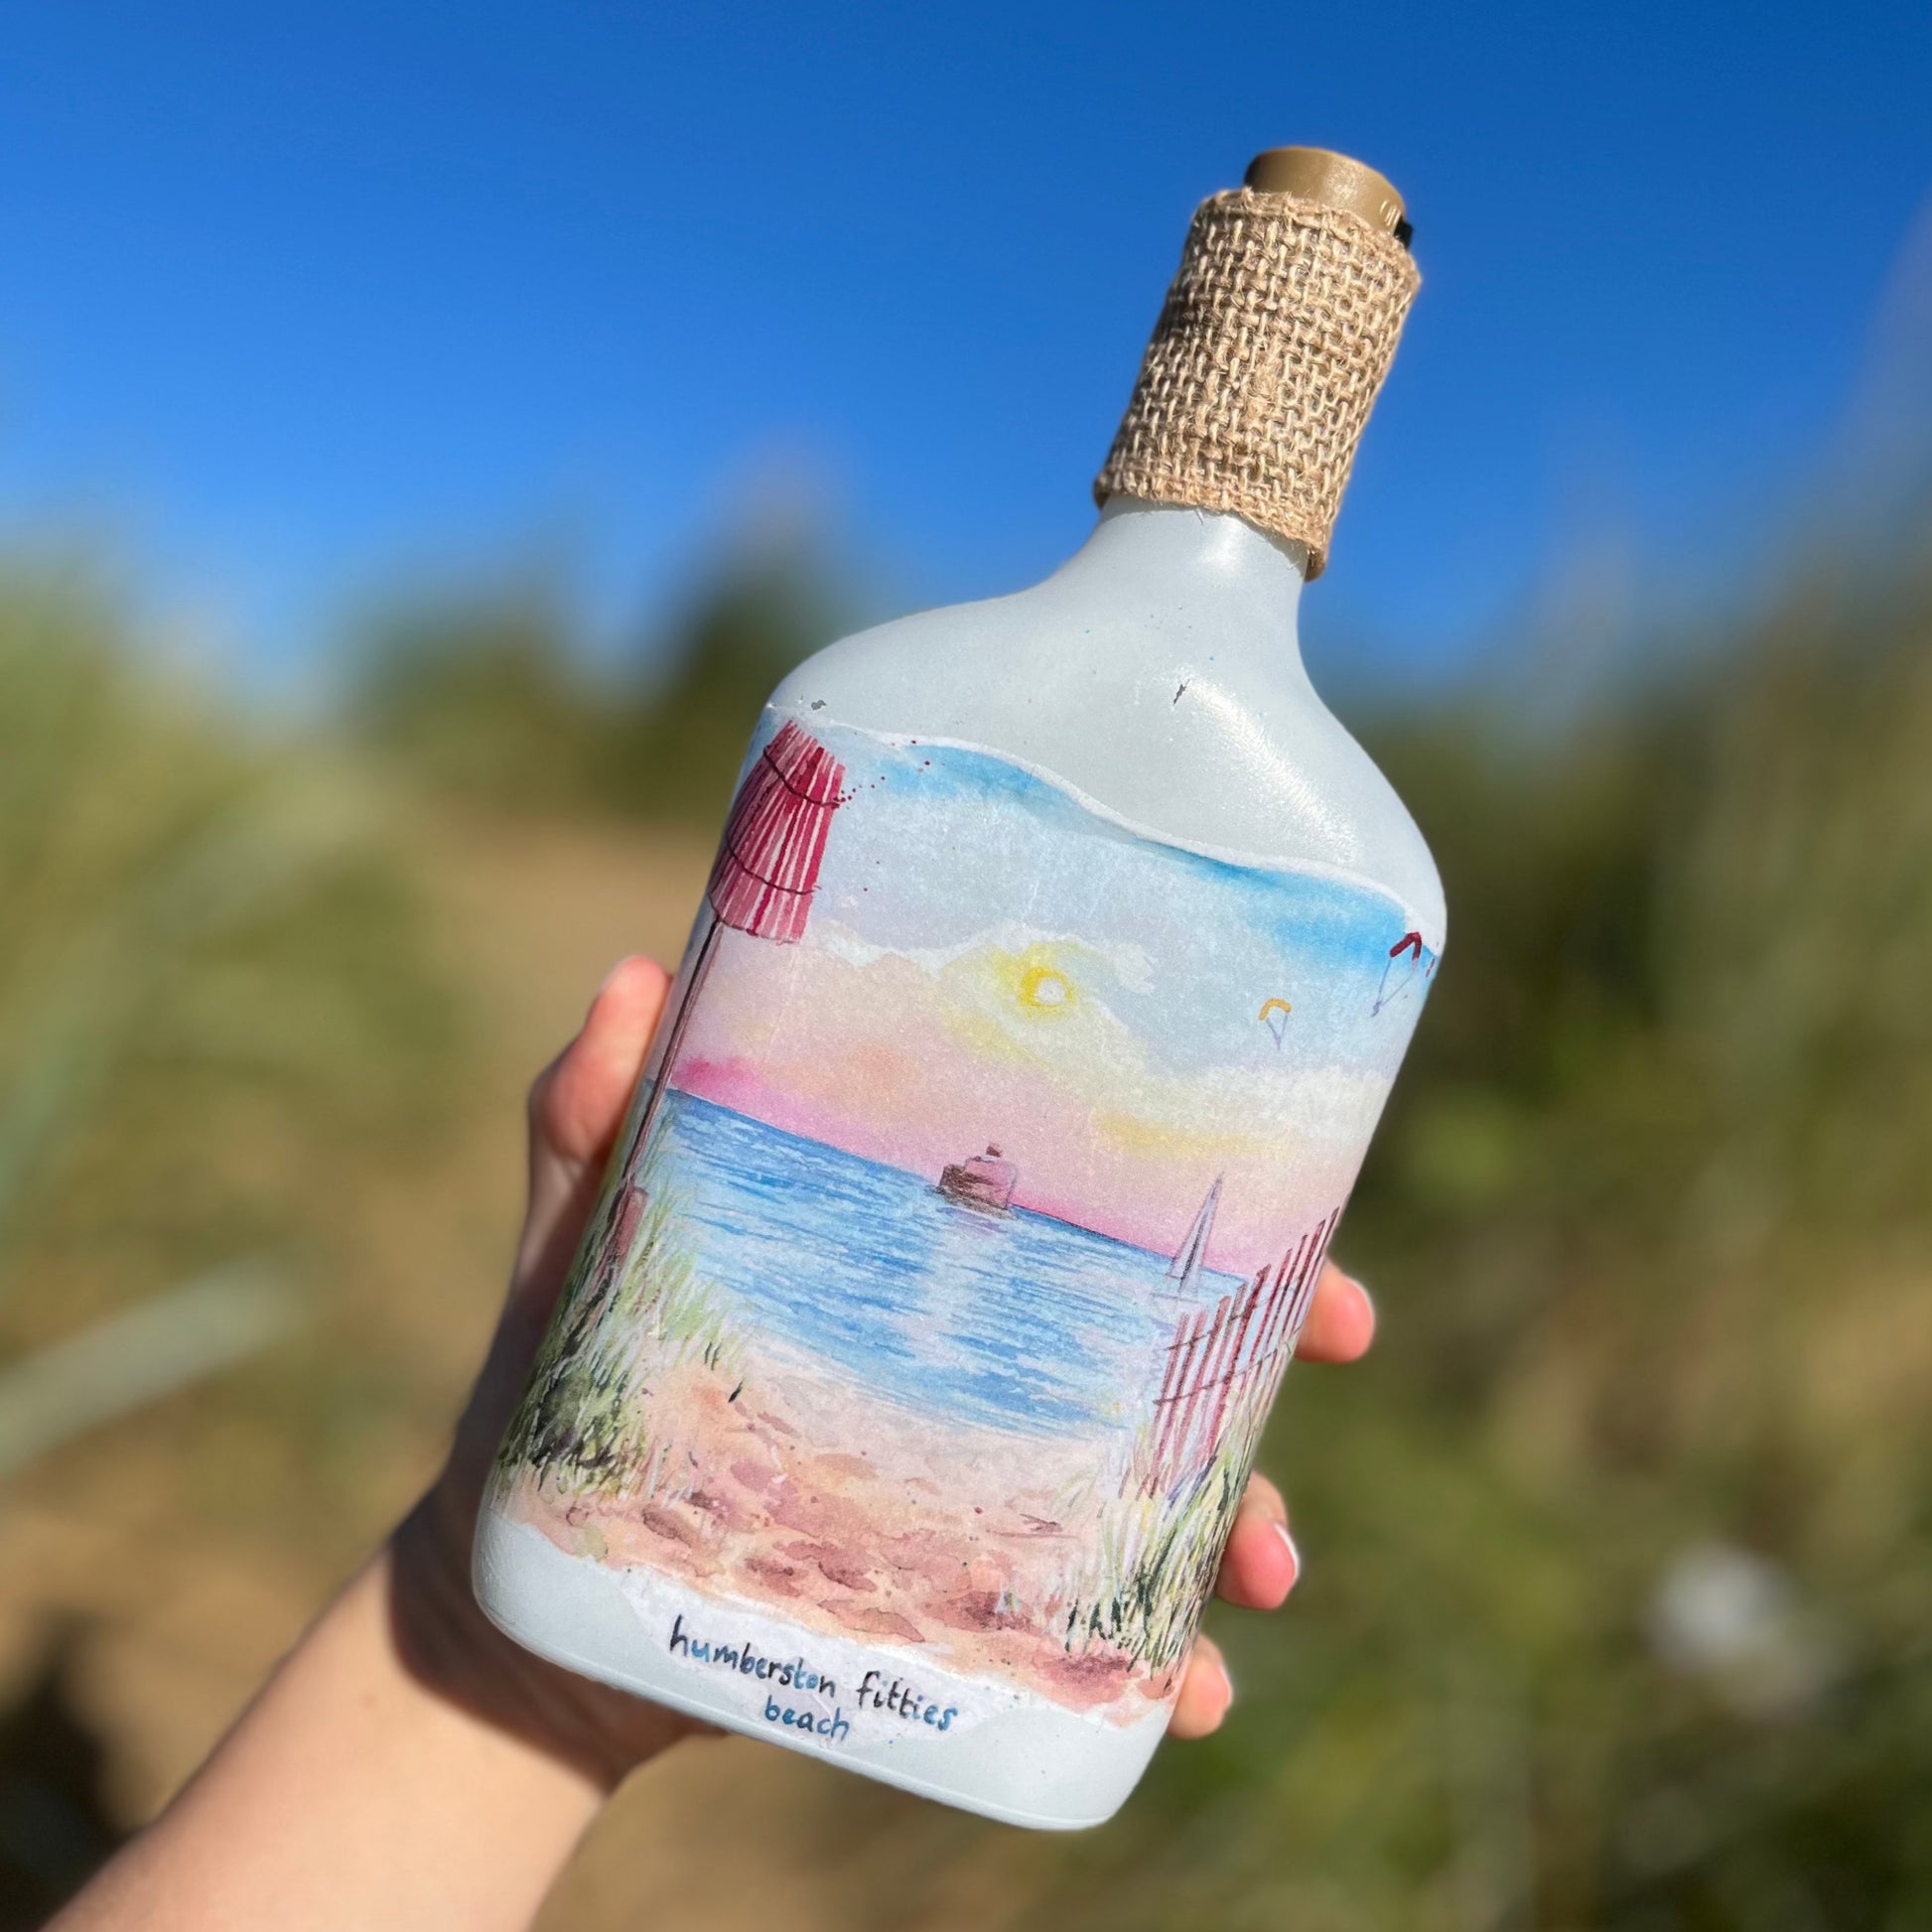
(766, 868)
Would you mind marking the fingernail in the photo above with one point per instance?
(1293, 1554)
(604, 987)
(610, 979)
(1374, 1320)
(1227, 1681)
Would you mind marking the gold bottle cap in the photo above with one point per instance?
(1334, 179)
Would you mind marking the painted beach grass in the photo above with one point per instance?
(585, 1423)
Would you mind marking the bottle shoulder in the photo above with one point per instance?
(1157, 714)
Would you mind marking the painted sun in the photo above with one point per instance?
(1046, 989)
(1033, 985)
(1036, 981)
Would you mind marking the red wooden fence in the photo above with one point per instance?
(1221, 1355)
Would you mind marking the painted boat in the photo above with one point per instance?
(985, 1181)
(1191, 1256)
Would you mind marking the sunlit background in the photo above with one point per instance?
(426, 433)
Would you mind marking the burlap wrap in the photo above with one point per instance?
(1275, 339)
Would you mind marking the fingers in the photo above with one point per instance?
(1206, 1691)
(1341, 1320)
(1261, 1562)
(1258, 1570)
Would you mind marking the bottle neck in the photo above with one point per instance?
(1271, 347)
(1209, 570)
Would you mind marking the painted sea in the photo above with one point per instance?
(1016, 1320)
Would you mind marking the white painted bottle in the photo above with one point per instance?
(1057, 960)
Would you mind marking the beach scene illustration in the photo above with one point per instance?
(965, 1220)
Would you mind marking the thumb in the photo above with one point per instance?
(576, 1111)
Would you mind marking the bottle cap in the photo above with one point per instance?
(1271, 348)
(1334, 179)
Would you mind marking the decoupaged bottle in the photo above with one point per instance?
(1053, 970)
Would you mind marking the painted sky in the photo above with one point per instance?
(988, 961)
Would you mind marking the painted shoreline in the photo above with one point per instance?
(1015, 1320)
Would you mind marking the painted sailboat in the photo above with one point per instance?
(1191, 1256)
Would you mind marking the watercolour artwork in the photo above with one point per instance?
(968, 1222)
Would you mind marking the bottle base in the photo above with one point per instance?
(968, 1742)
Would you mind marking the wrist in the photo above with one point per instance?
(358, 1791)
(456, 1654)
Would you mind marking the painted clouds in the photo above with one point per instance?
(990, 961)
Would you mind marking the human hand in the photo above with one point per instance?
(576, 1110)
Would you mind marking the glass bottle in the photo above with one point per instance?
(1056, 961)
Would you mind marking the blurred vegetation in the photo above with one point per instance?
(1621, 1547)
(212, 1001)
(490, 699)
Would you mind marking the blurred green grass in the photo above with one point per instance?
(216, 1011)
(1620, 1549)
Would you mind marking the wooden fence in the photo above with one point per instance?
(1222, 1356)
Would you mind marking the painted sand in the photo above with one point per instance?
(895, 1544)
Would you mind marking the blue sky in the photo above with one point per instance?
(295, 301)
